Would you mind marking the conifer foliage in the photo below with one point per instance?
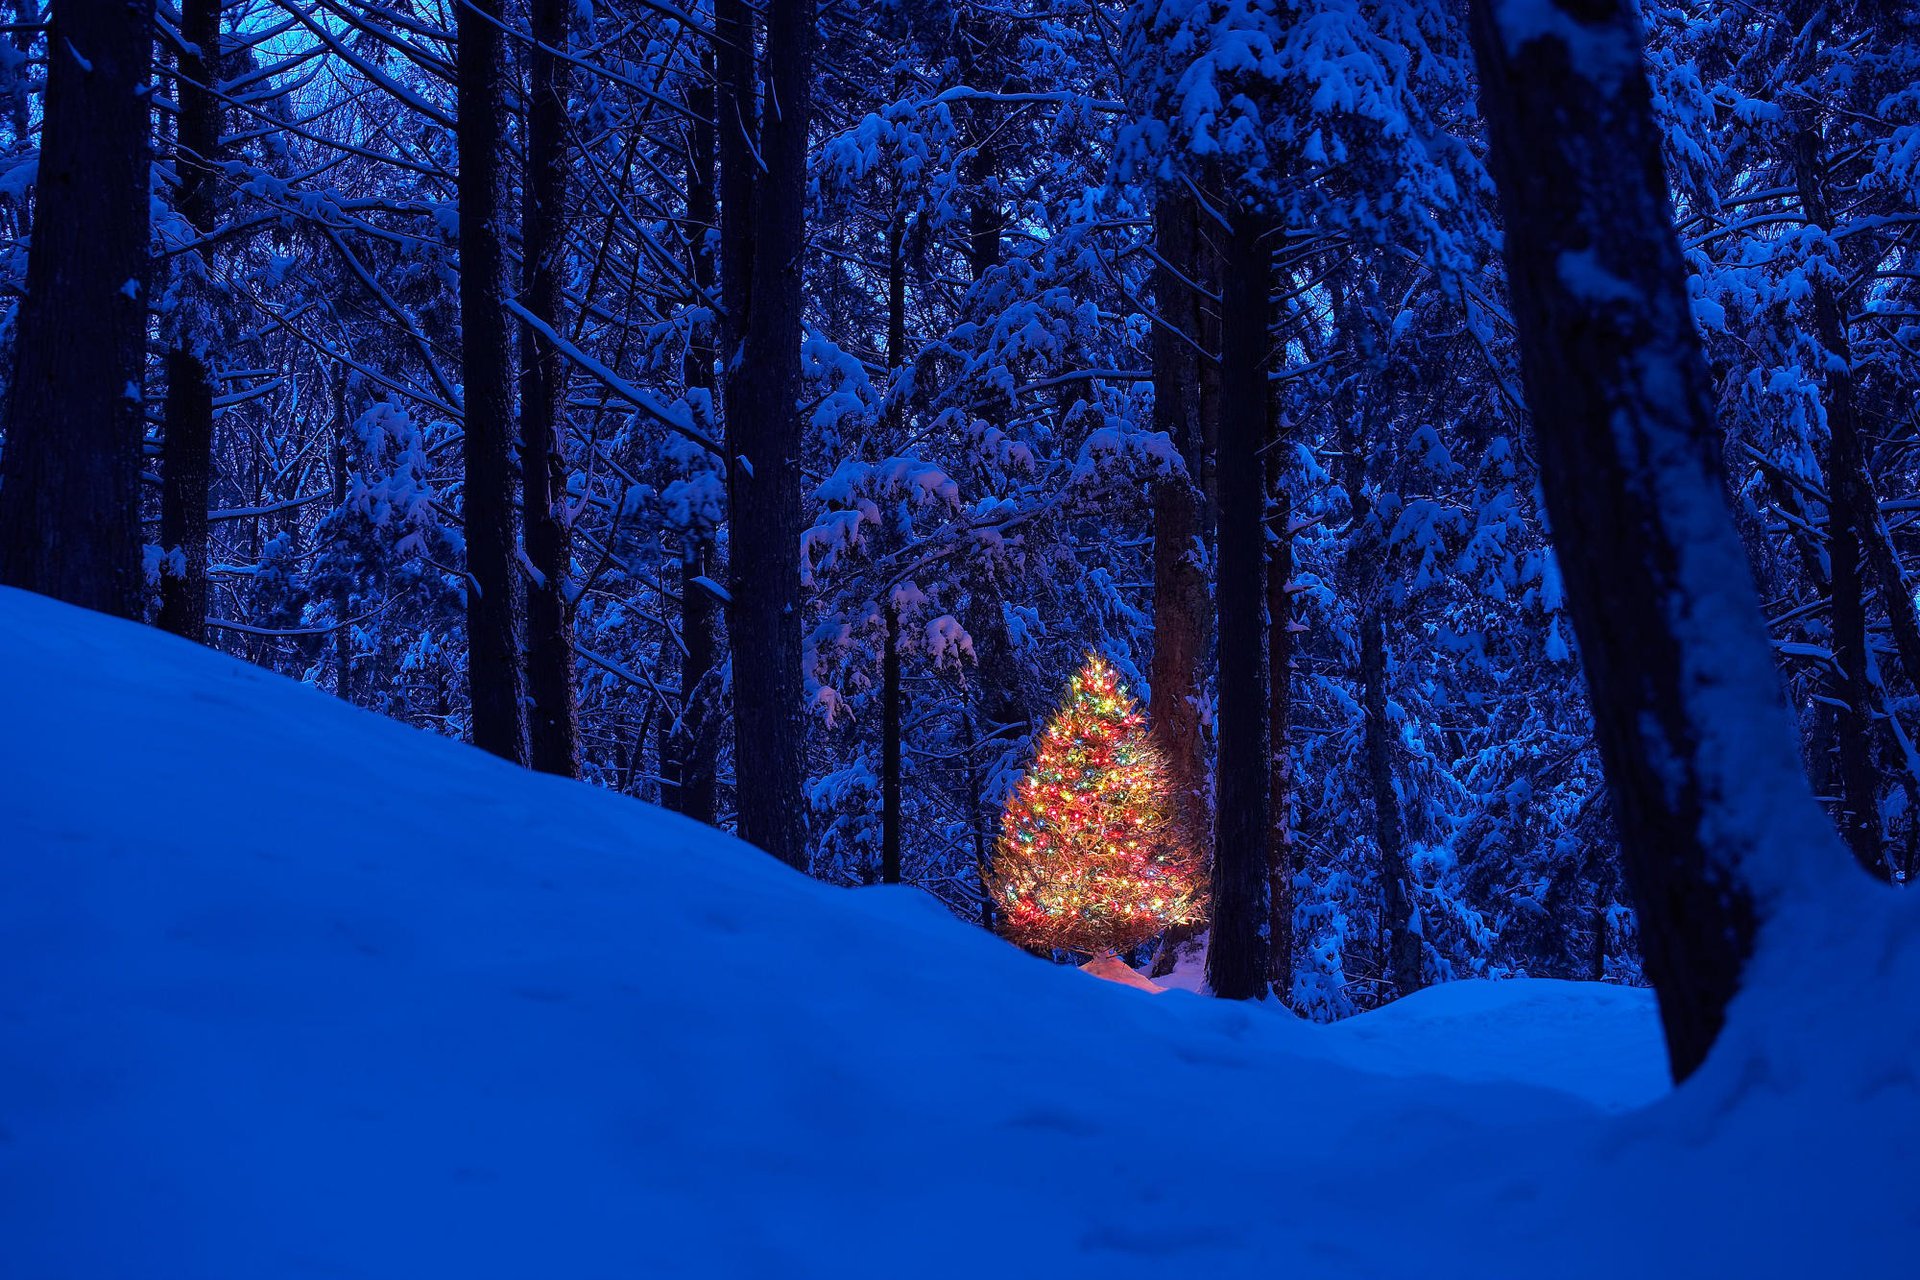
(1092, 854)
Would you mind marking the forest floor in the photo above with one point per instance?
(292, 990)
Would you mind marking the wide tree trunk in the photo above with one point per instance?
(70, 474)
(187, 455)
(1237, 950)
(1181, 610)
(1180, 604)
(1712, 808)
(495, 677)
(764, 439)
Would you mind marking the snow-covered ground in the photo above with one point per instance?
(290, 990)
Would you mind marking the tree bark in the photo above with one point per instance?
(1181, 609)
(890, 751)
(1180, 604)
(1237, 951)
(764, 436)
(737, 119)
(342, 600)
(1403, 948)
(70, 474)
(1852, 519)
(692, 742)
(553, 716)
(187, 453)
(1712, 807)
(495, 677)
(1857, 810)
(1282, 864)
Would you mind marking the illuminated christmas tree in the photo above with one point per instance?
(1092, 855)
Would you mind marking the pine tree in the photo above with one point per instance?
(1093, 853)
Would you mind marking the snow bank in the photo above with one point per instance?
(292, 990)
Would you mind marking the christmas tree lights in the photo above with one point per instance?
(1092, 855)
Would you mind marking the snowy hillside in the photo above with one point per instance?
(294, 991)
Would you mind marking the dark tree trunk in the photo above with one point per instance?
(1857, 809)
(1180, 605)
(738, 122)
(1237, 950)
(890, 751)
(764, 437)
(70, 475)
(187, 459)
(980, 819)
(342, 601)
(999, 706)
(1396, 904)
(692, 742)
(1281, 861)
(1181, 609)
(187, 454)
(896, 314)
(495, 676)
(1711, 805)
(1852, 519)
(890, 708)
(553, 718)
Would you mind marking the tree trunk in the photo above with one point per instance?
(764, 436)
(1281, 860)
(1852, 519)
(553, 717)
(342, 600)
(1712, 807)
(1237, 951)
(1180, 605)
(690, 745)
(1857, 810)
(890, 751)
(1181, 609)
(890, 708)
(187, 454)
(495, 678)
(1403, 949)
(70, 475)
(738, 123)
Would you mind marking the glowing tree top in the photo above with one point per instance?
(1092, 855)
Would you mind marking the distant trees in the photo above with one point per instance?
(768, 433)
(70, 471)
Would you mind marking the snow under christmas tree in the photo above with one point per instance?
(1092, 855)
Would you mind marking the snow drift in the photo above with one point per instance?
(293, 990)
